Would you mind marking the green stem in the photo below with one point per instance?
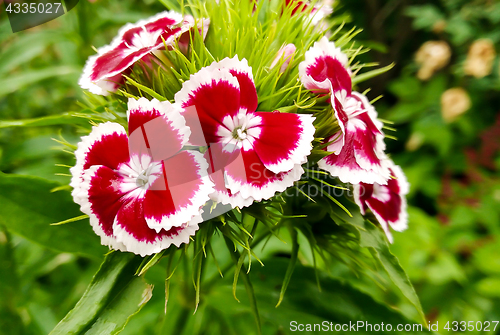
(235, 255)
(181, 321)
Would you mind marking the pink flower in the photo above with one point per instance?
(285, 54)
(387, 202)
(103, 72)
(252, 155)
(141, 192)
(358, 147)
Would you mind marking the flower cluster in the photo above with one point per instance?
(149, 186)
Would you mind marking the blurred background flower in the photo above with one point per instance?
(432, 56)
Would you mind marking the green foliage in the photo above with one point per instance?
(113, 296)
(29, 207)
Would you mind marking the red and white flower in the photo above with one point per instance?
(358, 147)
(387, 202)
(141, 192)
(325, 68)
(319, 11)
(103, 72)
(252, 155)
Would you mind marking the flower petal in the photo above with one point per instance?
(358, 149)
(345, 164)
(107, 144)
(325, 64)
(101, 199)
(248, 175)
(281, 147)
(179, 194)
(131, 229)
(218, 159)
(243, 72)
(156, 128)
(387, 202)
(215, 94)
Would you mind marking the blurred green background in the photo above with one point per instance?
(448, 145)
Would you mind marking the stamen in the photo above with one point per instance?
(242, 135)
(142, 179)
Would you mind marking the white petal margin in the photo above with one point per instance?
(248, 190)
(374, 117)
(84, 146)
(233, 64)
(171, 112)
(185, 214)
(235, 200)
(320, 49)
(303, 148)
(353, 176)
(106, 240)
(161, 243)
(207, 76)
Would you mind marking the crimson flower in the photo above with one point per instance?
(252, 155)
(358, 147)
(103, 72)
(142, 192)
(387, 202)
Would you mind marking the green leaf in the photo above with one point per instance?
(112, 298)
(15, 82)
(370, 74)
(337, 302)
(29, 207)
(25, 48)
(291, 265)
(425, 16)
(373, 238)
(65, 118)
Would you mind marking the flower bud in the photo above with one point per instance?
(286, 53)
(454, 102)
(480, 58)
(432, 56)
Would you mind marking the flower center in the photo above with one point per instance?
(139, 174)
(143, 177)
(239, 131)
